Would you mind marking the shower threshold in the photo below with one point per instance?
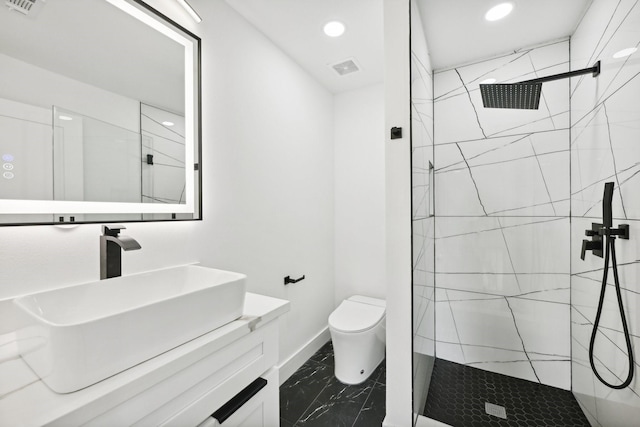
(463, 396)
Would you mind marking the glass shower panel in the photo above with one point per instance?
(423, 218)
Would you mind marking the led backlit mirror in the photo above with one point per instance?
(99, 113)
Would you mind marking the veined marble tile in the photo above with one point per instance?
(422, 128)
(486, 322)
(426, 322)
(543, 326)
(455, 295)
(449, 351)
(483, 252)
(475, 355)
(424, 345)
(555, 295)
(441, 294)
(452, 227)
(458, 95)
(615, 28)
(554, 373)
(539, 245)
(508, 248)
(446, 328)
(540, 287)
(471, 177)
(447, 84)
(457, 192)
(456, 109)
(534, 283)
(478, 286)
(520, 369)
(604, 150)
(518, 65)
(518, 184)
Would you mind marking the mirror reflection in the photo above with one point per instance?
(96, 106)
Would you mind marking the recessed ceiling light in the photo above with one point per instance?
(488, 81)
(65, 118)
(334, 28)
(168, 123)
(625, 52)
(498, 12)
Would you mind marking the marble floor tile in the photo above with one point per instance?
(373, 411)
(338, 405)
(302, 388)
(312, 396)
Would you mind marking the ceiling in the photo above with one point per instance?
(456, 32)
(296, 27)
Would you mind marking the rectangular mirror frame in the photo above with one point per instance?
(193, 144)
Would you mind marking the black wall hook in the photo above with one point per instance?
(288, 280)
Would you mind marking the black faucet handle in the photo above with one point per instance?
(112, 230)
(591, 245)
(585, 248)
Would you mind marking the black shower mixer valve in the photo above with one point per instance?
(597, 232)
(621, 232)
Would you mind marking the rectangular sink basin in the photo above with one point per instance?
(80, 335)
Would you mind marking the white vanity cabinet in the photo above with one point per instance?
(182, 387)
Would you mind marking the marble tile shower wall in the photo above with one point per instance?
(422, 204)
(502, 220)
(605, 147)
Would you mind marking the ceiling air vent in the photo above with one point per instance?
(345, 67)
(25, 7)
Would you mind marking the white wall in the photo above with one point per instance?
(267, 187)
(398, 214)
(268, 171)
(359, 193)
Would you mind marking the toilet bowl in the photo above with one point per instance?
(357, 330)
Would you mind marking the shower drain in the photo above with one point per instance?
(495, 410)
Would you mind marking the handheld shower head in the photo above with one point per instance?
(607, 200)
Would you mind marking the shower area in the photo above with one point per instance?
(503, 304)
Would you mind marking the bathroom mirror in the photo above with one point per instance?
(99, 113)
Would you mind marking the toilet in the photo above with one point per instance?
(357, 330)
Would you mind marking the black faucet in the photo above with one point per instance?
(111, 244)
(598, 231)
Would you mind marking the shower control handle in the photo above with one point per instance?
(589, 245)
(595, 243)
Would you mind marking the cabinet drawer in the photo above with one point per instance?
(192, 394)
(260, 411)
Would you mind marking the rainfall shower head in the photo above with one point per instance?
(524, 95)
(517, 95)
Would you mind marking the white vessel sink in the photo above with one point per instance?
(83, 334)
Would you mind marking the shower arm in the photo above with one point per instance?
(595, 71)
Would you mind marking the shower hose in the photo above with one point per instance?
(611, 251)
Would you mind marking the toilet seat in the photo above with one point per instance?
(353, 317)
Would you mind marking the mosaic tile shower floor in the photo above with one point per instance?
(458, 394)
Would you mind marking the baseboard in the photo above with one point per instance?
(297, 359)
